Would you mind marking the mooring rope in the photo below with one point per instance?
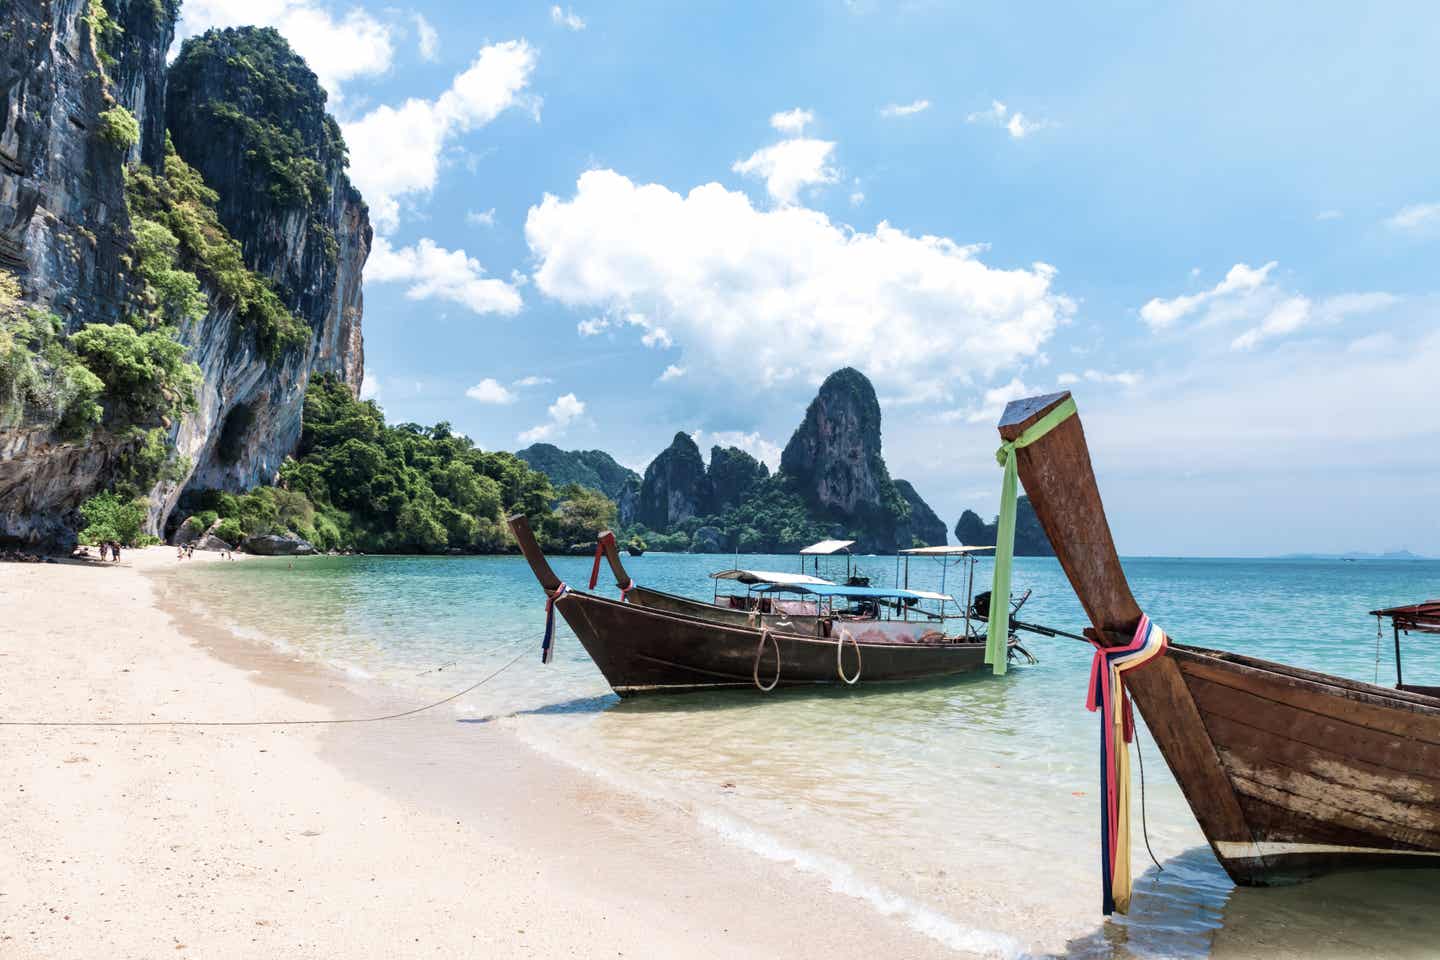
(765, 634)
(1144, 824)
(276, 723)
(839, 657)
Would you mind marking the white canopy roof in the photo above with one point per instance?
(827, 547)
(943, 551)
(770, 576)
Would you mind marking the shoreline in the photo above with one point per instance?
(425, 834)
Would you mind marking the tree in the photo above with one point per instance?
(108, 517)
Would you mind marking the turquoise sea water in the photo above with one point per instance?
(966, 808)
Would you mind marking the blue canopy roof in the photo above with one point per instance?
(857, 593)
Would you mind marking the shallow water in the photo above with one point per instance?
(967, 808)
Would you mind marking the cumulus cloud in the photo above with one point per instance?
(592, 326)
(427, 38)
(533, 381)
(792, 123)
(432, 272)
(786, 294)
(395, 151)
(1124, 378)
(1240, 281)
(337, 49)
(672, 372)
(491, 390)
(904, 109)
(1417, 216)
(566, 18)
(480, 218)
(369, 385)
(1017, 124)
(752, 443)
(1292, 313)
(791, 165)
(992, 403)
(562, 412)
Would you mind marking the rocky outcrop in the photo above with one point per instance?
(277, 545)
(675, 486)
(923, 527)
(1030, 537)
(733, 474)
(248, 114)
(833, 460)
(595, 469)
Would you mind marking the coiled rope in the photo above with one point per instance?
(765, 634)
(276, 723)
(839, 657)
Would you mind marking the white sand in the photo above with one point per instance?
(416, 837)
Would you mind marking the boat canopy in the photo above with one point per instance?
(1417, 617)
(854, 593)
(769, 576)
(944, 551)
(827, 547)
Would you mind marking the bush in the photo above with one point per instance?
(230, 531)
(146, 373)
(119, 128)
(111, 517)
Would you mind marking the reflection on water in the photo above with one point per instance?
(970, 805)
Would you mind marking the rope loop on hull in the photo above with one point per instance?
(765, 634)
(839, 657)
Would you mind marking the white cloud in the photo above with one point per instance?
(1067, 379)
(395, 152)
(427, 38)
(593, 326)
(532, 381)
(480, 218)
(432, 272)
(789, 166)
(857, 198)
(657, 337)
(672, 372)
(1295, 312)
(785, 294)
(338, 50)
(992, 404)
(1124, 378)
(566, 18)
(562, 412)
(1241, 279)
(1017, 124)
(490, 390)
(369, 385)
(904, 109)
(1417, 216)
(792, 123)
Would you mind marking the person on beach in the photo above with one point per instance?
(104, 548)
(115, 550)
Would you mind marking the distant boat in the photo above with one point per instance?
(648, 649)
(1291, 773)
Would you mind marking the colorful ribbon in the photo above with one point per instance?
(626, 589)
(998, 631)
(1117, 728)
(547, 645)
(599, 551)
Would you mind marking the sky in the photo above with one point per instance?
(1216, 223)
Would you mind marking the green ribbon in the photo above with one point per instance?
(998, 636)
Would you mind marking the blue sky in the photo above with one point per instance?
(1217, 223)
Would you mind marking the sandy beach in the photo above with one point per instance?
(425, 836)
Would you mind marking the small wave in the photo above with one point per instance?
(843, 879)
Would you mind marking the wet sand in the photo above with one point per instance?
(425, 836)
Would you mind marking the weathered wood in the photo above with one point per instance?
(525, 540)
(612, 555)
(1290, 772)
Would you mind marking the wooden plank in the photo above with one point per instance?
(1330, 812)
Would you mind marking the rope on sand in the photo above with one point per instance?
(275, 723)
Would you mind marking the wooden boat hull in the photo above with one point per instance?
(642, 650)
(1290, 773)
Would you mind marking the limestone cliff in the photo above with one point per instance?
(250, 117)
(1030, 537)
(924, 527)
(833, 459)
(675, 487)
(733, 474)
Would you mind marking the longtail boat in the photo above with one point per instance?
(1290, 772)
(643, 649)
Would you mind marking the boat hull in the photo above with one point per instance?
(642, 650)
(1327, 774)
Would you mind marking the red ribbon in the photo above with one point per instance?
(599, 552)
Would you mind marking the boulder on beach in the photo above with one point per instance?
(213, 543)
(277, 545)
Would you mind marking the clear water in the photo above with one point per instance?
(967, 808)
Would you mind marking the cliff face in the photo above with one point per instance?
(251, 118)
(246, 112)
(834, 460)
(733, 474)
(924, 525)
(675, 486)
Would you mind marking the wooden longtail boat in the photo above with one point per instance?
(1291, 773)
(643, 649)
